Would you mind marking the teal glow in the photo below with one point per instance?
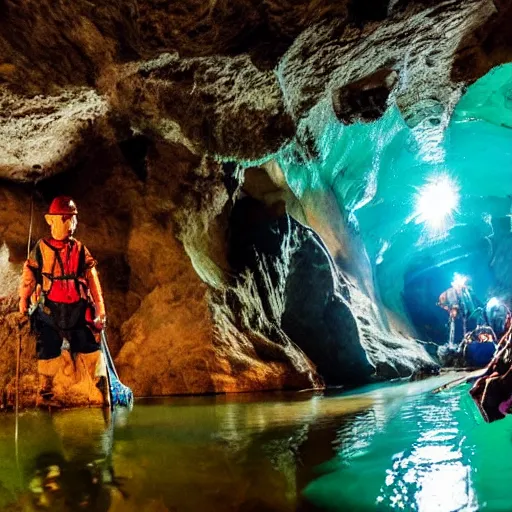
(375, 171)
(430, 452)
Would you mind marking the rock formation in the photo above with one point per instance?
(163, 121)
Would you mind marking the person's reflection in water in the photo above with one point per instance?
(81, 476)
(58, 484)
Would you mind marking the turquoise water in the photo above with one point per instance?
(397, 447)
(430, 454)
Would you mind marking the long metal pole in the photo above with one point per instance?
(17, 403)
(18, 351)
(452, 331)
(108, 363)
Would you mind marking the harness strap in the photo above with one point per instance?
(59, 261)
(64, 277)
(39, 259)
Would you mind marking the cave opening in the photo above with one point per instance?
(417, 201)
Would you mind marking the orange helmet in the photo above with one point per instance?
(63, 205)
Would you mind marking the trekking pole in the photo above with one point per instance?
(452, 331)
(30, 224)
(18, 354)
(17, 399)
(108, 365)
(108, 356)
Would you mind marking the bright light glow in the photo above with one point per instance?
(492, 303)
(459, 281)
(436, 201)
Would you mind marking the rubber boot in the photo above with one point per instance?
(93, 366)
(47, 368)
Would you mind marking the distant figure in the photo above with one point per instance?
(483, 334)
(498, 317)
(459, 301)
(478, 347)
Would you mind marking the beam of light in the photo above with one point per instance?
(492, 303)
(459, 281)
(436, 202)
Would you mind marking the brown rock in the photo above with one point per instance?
(161, 247)
(231, 79)
(364, 100)
(44, 135)
(207, 92)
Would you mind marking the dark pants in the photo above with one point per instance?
(57, 321)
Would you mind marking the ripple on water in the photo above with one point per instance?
(393, 448)
(429, 455)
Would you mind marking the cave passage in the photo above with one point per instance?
(429, 198)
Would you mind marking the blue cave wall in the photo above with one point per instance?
(376, 172)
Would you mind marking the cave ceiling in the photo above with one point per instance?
(236, 79)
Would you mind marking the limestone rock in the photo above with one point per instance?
(44, 135)
(188, 73)
(192, 81)
(364, 100)
(329, 56)
(163, 265)
(217, 104)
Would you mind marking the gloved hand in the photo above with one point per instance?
(100, 322)
(34, 299)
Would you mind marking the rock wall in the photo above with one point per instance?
(162, 261)
(129, 107)
(328, 309)
(73, 76)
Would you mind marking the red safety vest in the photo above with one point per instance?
(61, 269)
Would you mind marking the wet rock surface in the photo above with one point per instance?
(173, 327)
(127, 107)
(190, 73)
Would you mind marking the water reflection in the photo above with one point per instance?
(64, 462)
(75, 471)
(386, 448)
(434, 473)
(414, 457)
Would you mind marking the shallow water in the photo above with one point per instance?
(396, 447)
